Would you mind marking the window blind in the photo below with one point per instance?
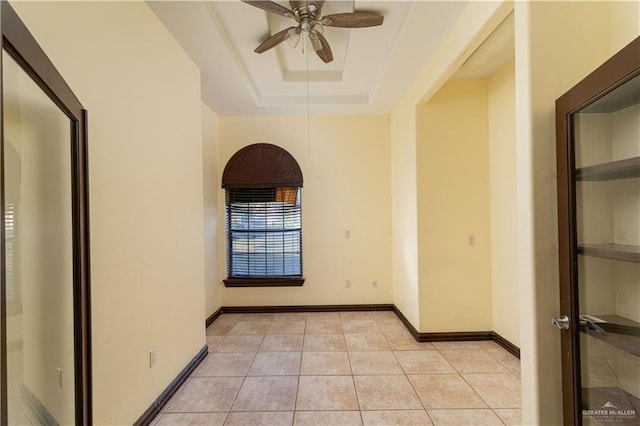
(9, 233)
(264, 232)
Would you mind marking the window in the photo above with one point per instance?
(264, 232)
(263, 217)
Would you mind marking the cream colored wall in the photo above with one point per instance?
(554, 51)
(346, 171)
(404, 212)
(476, 22)
(504, 219)
(454, 241)
(211, 193)
(624, 23)
(146, 193)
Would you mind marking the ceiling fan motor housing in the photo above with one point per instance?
(304, 6)
(306, 12)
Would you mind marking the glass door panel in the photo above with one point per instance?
(607, 188)
(39, 253)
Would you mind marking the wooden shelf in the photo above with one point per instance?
(619, 332)
(618, 324)
(622, 169)
(622, 252)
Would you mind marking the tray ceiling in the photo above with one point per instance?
(371, 69)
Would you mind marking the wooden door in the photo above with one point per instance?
(598, 160)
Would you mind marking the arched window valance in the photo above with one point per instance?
(262, 165)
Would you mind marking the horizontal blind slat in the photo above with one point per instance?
(264, 236)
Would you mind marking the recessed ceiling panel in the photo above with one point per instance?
(359, 55)
(371, 67)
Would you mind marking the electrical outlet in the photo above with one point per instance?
(472, 240)
(153, 357)
(374, 284)
(348, 284)
(347, 234)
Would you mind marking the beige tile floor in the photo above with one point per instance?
(347, 368)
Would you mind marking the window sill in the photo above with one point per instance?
(263, 282)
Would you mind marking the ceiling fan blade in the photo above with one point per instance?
(270, 6)
(324, 53)
(273, 41)
(353, 20)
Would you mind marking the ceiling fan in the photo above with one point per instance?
(311, 24)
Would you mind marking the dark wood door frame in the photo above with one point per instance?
(18, 42)
(616, 71)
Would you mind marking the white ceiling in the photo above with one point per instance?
(372, 67)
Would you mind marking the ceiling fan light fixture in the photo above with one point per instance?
(317, 27)
(293, 37)
(314, 42)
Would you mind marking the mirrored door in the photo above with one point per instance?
(45, 328)
(38, 253)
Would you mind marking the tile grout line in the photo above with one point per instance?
(353, 376)
(478, 395)
(493, 410)
(353, 380)
(503, 363)
(228, 413)
(390, 348)
(295, 401)
(472, 388)
(244, 378)
(413, 388)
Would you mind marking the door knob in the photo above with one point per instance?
(561, 322)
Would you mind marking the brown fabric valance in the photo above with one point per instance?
(261, 165)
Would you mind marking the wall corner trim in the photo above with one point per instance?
(506, 345)
(458, 335)
(213, 317)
